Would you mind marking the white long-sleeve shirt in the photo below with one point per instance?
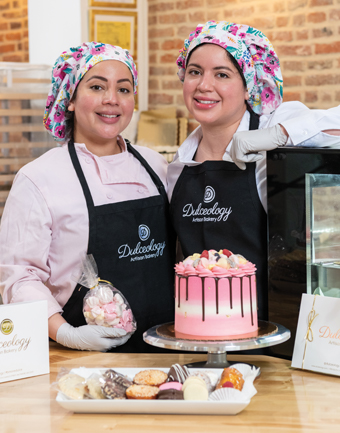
(303, 125)
(44, 228)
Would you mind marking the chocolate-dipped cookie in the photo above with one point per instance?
(113, 390)
(170, 394)
(117, 378)
(178, 373)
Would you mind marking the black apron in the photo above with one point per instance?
(133, 245)
(215, 205)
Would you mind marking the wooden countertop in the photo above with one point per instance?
(288, 400)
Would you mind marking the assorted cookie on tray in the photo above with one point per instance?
(179, 383)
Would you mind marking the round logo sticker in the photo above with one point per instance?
(209, 194)
(6, 326)
(143, 232)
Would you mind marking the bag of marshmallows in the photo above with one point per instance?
(104, 305)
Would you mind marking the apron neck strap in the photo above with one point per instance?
(80, 174)
(254, 121)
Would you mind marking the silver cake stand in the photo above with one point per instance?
(165, 336)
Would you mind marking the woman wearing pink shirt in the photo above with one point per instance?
(95, 194)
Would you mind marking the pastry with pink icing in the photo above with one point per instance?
(215, 295)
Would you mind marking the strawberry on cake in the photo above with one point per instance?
(215, 295)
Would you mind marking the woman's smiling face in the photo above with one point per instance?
(104, 103)
(213, 89)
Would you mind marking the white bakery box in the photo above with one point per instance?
(24, 343)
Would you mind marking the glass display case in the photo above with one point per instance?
(288, 234)
(323, 234)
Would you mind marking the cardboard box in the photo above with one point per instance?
(24, 344)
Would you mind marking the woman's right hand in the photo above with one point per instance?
(248, 145)
(91, 337)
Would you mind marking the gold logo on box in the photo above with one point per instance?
(6, 326)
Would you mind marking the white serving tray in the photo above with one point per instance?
(162, 406)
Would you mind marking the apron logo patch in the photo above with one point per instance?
(142, 252)
(207, 214)
(209, 194)
(143, 232)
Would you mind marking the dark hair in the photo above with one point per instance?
(69, 120)
(69, 125)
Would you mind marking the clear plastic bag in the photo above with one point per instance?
(78, 387)
(104, 305)
(71, 385)
(94, 386)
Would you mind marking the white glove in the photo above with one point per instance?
(91, 337)
(246, 145)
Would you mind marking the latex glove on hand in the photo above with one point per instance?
(90, 337)
(246, 145)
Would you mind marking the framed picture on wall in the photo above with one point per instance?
(115, 28)
(114, 3)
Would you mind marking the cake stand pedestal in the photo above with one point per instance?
(165, 336)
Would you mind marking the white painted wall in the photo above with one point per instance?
(53, 27)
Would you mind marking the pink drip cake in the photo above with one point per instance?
(215, 295)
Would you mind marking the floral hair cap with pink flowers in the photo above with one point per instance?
(68, 70)
(253, 52)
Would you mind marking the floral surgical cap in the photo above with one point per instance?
(68, 70)
(253, 52)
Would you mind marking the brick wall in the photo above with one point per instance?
(305, 34)
(13, 31)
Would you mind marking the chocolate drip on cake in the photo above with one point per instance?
(203, 300)
(230, 281)
(241, 280)
(179, 290)
(216, 290)
(179, 277)
(251, 301)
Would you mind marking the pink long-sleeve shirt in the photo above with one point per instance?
(44, 227)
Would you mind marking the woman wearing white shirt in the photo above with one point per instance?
(96, 194)
(232, 85)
